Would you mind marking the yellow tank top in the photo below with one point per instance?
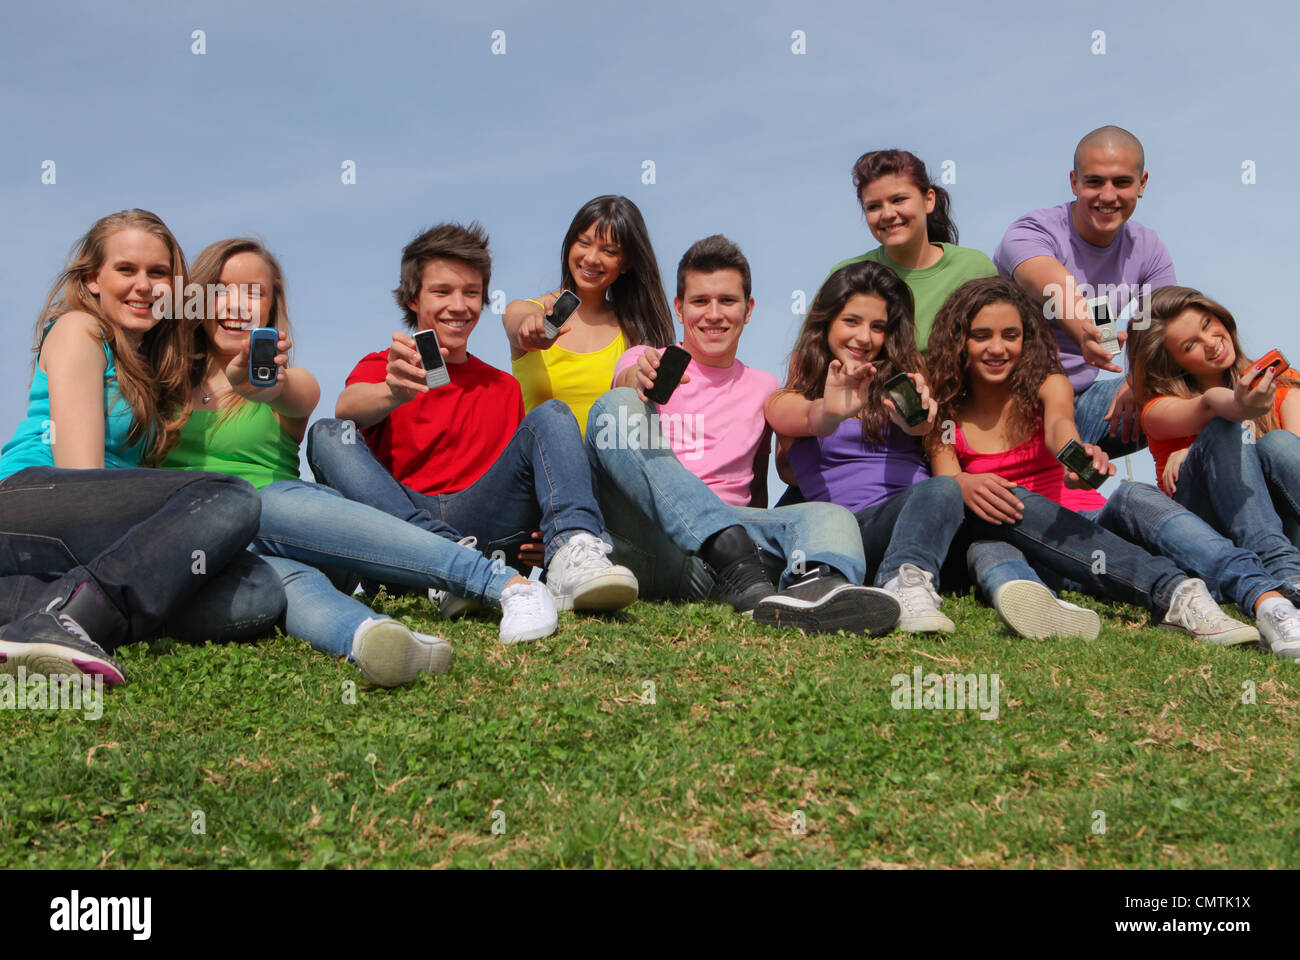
(576, 379)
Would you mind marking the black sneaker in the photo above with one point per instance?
(52, 643)
(824, 602)
(733, 560)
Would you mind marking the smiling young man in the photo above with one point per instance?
(1052, 252)
(462, 458)
(682, 484)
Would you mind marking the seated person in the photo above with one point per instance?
(683, 483)
(1052, 253)
(462, 458)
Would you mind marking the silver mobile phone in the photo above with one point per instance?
(435, 367)
(1099, 308)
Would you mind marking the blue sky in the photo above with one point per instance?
(748, 139)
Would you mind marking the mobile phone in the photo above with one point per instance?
(435, 367)
(564, 306)
(1099, 309)
(1075, 458)
(907, 400)
(1271, 360)
(262, 343)
(672, 364)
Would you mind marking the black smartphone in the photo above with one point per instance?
(1099, 307)
(672, 364)
(435, 368)
(564, 306)
(1075, 458)
(262, 371)
(907, 399)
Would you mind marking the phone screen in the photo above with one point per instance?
(564, 306)
(430, 356)
(261, 356)
(672, 364)
(906, 399)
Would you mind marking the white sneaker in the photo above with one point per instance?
(1031, 610)
(446, 602)
(581, 577)
(388, 654)
(1193, 609)
(913, 588)
(1279, 633)
(527, 612)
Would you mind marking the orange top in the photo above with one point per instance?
(1161, 450)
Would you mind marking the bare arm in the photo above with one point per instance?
(1059, 427)
(73, 360)
(366, 404)
(1171, 417)
(1045, 278)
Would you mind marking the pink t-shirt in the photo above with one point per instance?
(714, 424)
(1032, 466)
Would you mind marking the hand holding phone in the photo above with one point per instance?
(907, 399)
(1075, 458)
(262, 344)
(561, 310)
(1099, 310)
(1273, 360)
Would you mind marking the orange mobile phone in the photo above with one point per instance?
(1273, 359)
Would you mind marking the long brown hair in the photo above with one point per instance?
(948, 357)
(153, 380)
(1155, 372)
(206, 273)
(811, 357)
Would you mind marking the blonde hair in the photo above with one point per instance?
(1153, 370)
(153, 380)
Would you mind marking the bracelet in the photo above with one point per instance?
(538, 302)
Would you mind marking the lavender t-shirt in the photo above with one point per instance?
(1135, 263)
(843, 468)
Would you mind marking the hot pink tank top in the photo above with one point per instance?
(1031, 466)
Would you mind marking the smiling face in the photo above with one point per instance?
(713, 310)
(135, 271)
(896, 210)
(857, 334)
(596, 260)
(245, 301)
(994, 343)
(1200, 344)
(450, 300)
(1107, 185)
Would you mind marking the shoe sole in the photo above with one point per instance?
(52, 660)
(1232, 638)
(926, 623)
(610, 592)
(389, 655)
(1031, 611)
(455, 607)
(849, 608)
(535, 634)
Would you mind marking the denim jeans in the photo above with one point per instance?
(540, 482)
(1089, 409)
(318, 526)
(1224, 481)
(1073, 548)
(316, 611)
(658, 514)
(1278, 454)
(166, 548)
(914, 526)
(1142, 514)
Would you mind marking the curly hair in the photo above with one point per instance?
(948, 358)
(811, 356)
(1154, 370)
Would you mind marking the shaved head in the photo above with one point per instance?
(1113, 138)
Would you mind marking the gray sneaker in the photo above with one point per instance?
(919, 602)
(1194, 610)
(389, 654)
(1279, 634)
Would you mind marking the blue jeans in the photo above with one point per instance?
(914, 526)
(1072, 547)
(317, 612)
(659, 514)
(1089, 409)
(166, 548)
(1224, 481)
(540, 482)
(318, 526)
(1142, 514)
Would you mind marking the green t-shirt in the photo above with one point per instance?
(249, 443)
(931, 286)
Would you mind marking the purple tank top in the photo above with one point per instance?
(844, 469)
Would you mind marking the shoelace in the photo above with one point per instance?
(67, 623)
(588, 553)
(1201, 607)
(917, 581)
(1288, 627)
(528, 598)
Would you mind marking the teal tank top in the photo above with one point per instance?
(30, 446)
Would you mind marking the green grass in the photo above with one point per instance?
(554, 745)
